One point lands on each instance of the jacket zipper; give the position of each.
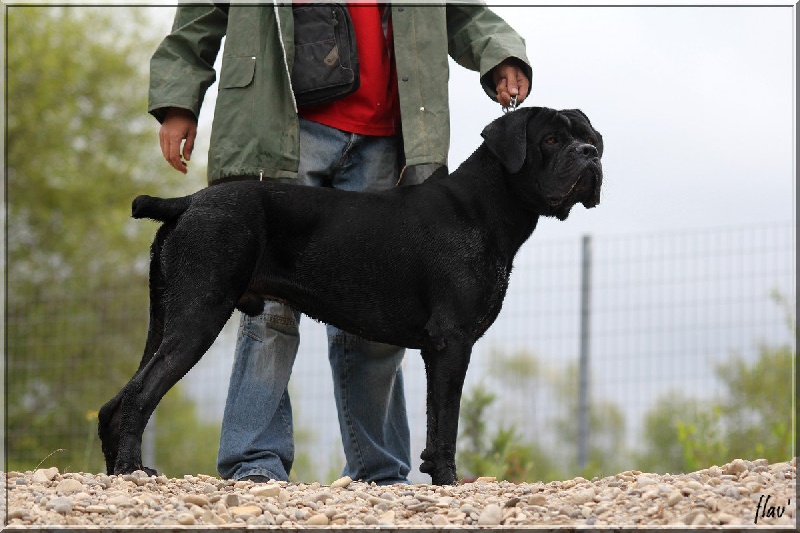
(285, 57)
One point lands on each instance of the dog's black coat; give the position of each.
(422, 266)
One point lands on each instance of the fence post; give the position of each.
(583, 388)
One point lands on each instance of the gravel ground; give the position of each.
(741, 493)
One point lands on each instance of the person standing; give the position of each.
(393, 130)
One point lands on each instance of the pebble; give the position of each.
(538, 499)
(266, 491)
(68, 486)
(440, 520)
(245, 510)
(583, 496)
(737, 466)
(341, 482)
(318, 520)
(121, 501)
(724, 495)
(196, 499)
(491, 515)
(386, 519)
(62, 505)
(186, 519)
(43, 476)
(674, 497)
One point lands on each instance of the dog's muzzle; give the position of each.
(592, 179)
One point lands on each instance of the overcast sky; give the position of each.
(695, 105)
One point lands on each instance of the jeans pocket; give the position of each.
(276, 317)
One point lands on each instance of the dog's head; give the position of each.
(551, 158)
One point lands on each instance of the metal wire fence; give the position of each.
(666, 308)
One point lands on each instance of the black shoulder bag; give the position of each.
(325, 55)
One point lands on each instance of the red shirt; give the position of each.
(374, 109)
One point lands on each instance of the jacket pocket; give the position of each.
(237, 71)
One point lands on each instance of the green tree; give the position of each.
(606, 428)
(80, 147)
(753, 417)
(500, 450)
(501, 453)
(758, 409)
(664, 428)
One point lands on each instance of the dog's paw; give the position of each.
(446, 476)
(427, 467)
(130, 468)
(149, 471)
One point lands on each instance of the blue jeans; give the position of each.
(256, 436)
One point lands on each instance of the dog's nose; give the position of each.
(587, 149)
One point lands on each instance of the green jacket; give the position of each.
(255, 128)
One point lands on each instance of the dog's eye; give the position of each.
(592, 141)
(550, 139)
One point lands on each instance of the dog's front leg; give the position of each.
(446, 368)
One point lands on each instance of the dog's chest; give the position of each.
(494, 299)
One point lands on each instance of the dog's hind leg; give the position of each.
(188, 335)
(446, 368)
(155, 334)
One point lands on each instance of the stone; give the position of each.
(645, 481)
(439, 520)
(186, 519)
(45, 475)
(266, 491)
(17, 514)
(62, 505)
(694, 485)
(674, 498)
(582, 496)
(120, 501)
(486, 479)
(538, 499)
(342, 482)
(69, 486)
(231, 500)
(317, 520)
(491, 515)
(245, 510)
(386, 519)
(196, 499)
(323, 496)
(512, 502)
(735, 467)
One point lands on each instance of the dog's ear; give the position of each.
(506, 137)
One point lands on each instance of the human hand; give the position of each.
(179, 125)
(510, 81)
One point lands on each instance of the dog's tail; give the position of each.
(161, 209)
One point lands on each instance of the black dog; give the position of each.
(423, 266)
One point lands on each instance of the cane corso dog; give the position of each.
(424, 266)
